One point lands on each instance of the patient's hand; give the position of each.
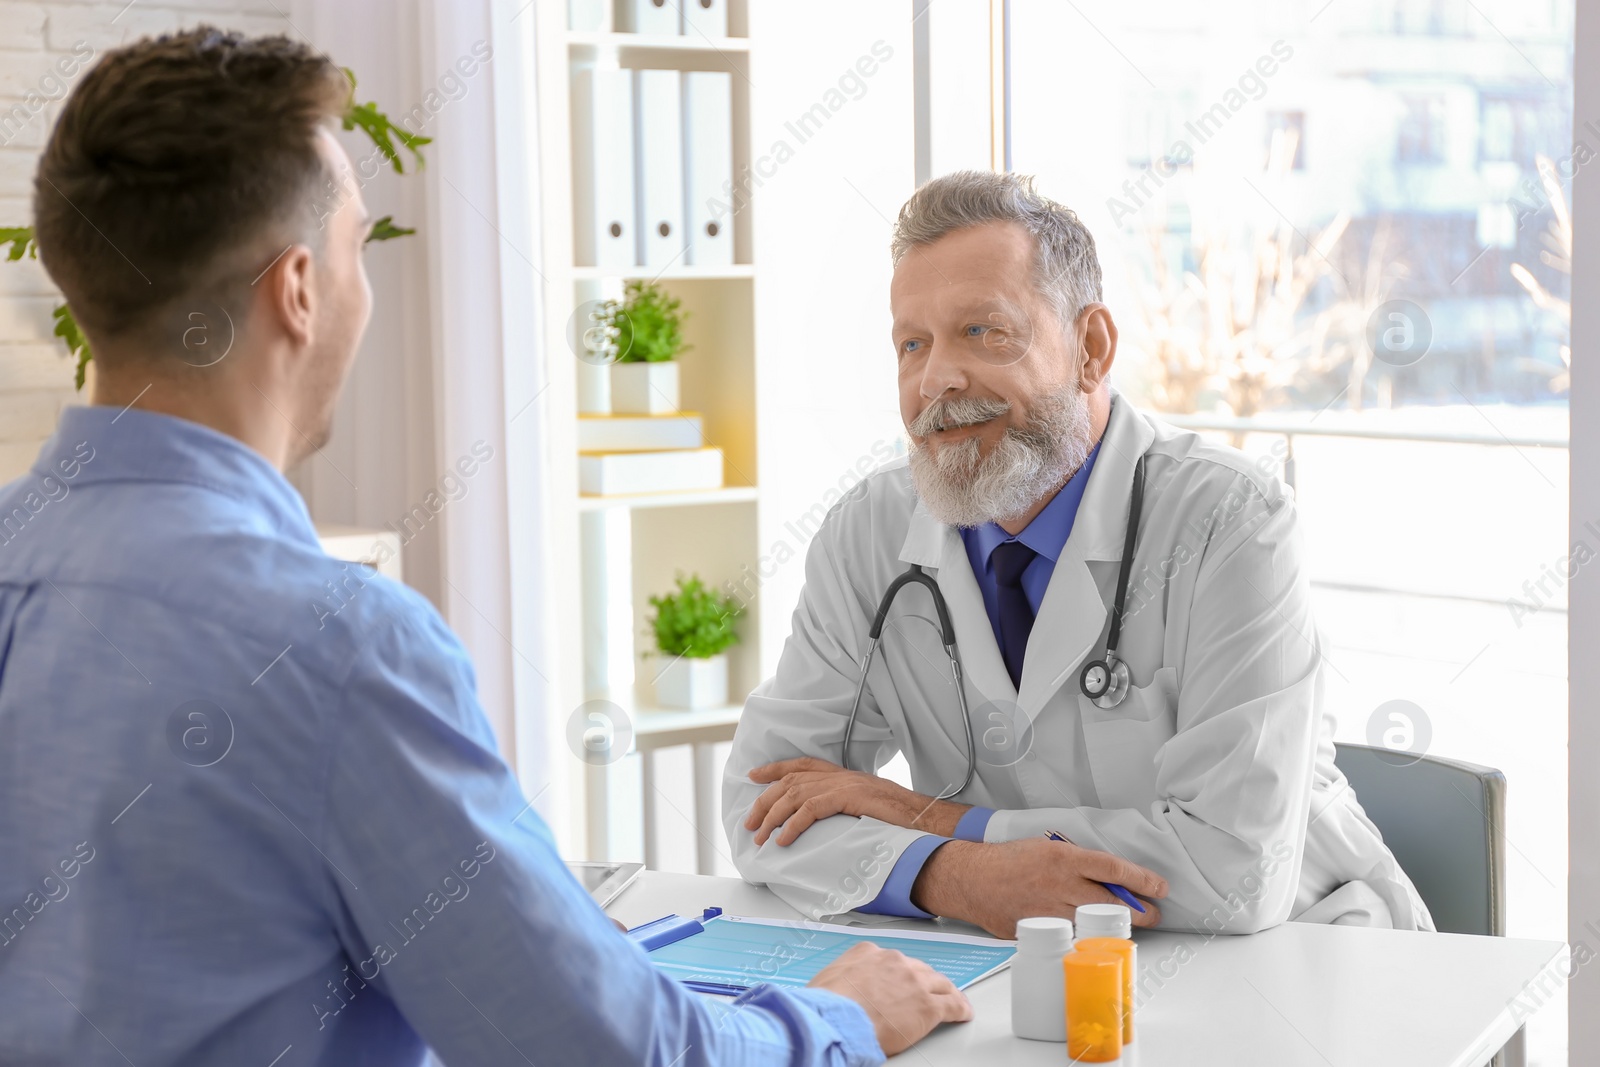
(904, 998)
(803, 790)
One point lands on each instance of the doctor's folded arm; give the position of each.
(1099, 629)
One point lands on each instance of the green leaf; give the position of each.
(385, 230)
(20, 238)
(649, 324)
(694, 621)
(77, 344)
(376, 125)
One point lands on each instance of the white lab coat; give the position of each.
(1216, 771)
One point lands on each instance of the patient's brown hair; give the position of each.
(176, 164)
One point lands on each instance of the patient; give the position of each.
(241, 828)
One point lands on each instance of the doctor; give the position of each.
(1202, 777)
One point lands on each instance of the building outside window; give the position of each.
(1422, 129)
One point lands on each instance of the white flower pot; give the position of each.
(693, 683)
(644, 388)
(594, 389)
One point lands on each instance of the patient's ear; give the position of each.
(1099, 345)
(289, 291)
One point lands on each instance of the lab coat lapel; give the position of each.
(939, 548)
(1074, 614)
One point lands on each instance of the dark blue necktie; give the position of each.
(1009, 559)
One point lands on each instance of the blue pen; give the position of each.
(1116, 890)
(668, 929)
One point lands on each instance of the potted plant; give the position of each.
(646, 328)
(694, 626)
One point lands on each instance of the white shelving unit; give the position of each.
(645, 50)
(630, 547)
(792, 368)
(671, 274)
(735, 494)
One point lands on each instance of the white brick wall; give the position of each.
(35, 373)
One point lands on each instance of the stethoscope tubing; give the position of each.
(1109, 695)
(1105, 680)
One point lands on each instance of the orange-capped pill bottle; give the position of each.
(1094, 1006)
(1123, 949)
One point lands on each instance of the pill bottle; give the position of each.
(1037, 990)
(1104, 920)
(1123, 950)
(1097, 921)
(1093, 982)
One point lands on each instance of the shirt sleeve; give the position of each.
(455, 903)
(973, 823)
(895, 896)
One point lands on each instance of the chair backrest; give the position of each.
(1444, 820)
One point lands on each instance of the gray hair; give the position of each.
(1066, 268)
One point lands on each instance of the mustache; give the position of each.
(956, 412)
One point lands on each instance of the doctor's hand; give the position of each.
(993, 886)
(904, 998)
(806, 789)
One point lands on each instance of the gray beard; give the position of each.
(961, 488)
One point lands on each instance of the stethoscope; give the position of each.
(1104, 680)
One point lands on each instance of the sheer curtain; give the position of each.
(450, 378)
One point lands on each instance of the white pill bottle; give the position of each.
(1038, 990)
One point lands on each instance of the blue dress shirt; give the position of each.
(253, 812)
(1047, 535)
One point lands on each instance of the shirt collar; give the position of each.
(130, 445)
(1048, 531)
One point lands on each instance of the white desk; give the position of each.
(1321, 996)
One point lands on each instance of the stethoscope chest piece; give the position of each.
(1105, 682)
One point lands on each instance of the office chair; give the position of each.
(1445, 822)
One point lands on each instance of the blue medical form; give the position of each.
(730, 953)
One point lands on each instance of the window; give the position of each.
(1425, 17)
(1511, 127)
(1155, 126)
(1422, 130)
(1292, 124)
(1429, 266)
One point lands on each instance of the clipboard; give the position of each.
(724, 955)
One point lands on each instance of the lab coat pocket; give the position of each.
(1123, 741)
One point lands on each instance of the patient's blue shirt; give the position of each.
(252, 813)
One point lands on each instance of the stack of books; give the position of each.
(628, 454)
